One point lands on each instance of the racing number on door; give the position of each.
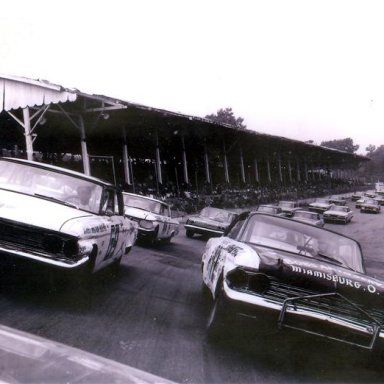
(115, 230)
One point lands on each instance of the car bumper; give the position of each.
(288, 314)
(317, 209)
(338, 219)
(370, 210)
(203, 230)
(42, 258)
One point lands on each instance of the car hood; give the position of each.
(334, 212)
(308, 221)
(207, 221)
(36, 211)
(29, 358)
(320, 276)
(141, 214)
(316, 204)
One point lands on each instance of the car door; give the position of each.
(166, 226)
(113, 242)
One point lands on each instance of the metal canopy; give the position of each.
(18, 93)
(65, 119)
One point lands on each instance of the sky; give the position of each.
(302, 69)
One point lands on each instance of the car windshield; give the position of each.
(302, 239)
(339, 208)
(371, 201)
(217, 214)
(50, 184)
(142, 203)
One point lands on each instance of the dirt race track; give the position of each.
(152, 317)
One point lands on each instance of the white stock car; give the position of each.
(153, 217)
(338, 214)
(60, 220)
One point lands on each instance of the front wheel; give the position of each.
(217, 319)
(115, 266)
(189, 233)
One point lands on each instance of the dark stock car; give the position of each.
(293, 275)
(288, 207)
(209, 222)
(271, 209)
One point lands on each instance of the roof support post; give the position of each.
(279, 167)
(28, 133)
(185, 167)
(158, 161)
(298, 169)
(289, 170)
(206, 161)
(256, 171)
(306, 171)
(225, 160)
(127, 173)
(242, 166)
(269, 171)
(84, 149)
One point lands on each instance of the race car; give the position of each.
(288, 207)
(370, 206)
(275, 273)
(309, 217)
(153, 216)
(59, 220)
(338, 214)
(320, 205)
(210, 221)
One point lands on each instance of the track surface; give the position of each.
(152, 316)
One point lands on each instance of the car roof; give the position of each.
(55, 168)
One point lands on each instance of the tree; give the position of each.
(370, 149)
(226, 116)
(374, 168)
(345, 145)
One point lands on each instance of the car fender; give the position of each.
(222, 255)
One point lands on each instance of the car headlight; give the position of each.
(57, 245)
(71, 248)
(242, 279)
(146, 224)
(53, 244)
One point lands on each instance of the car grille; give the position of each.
(277, 292)
(331, 305)
(205, 225)
(334, 217)
(34, 240)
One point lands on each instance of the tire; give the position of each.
(115, 266)
(217, 320)
(83, 279)
(167, 240)
(189, 233)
